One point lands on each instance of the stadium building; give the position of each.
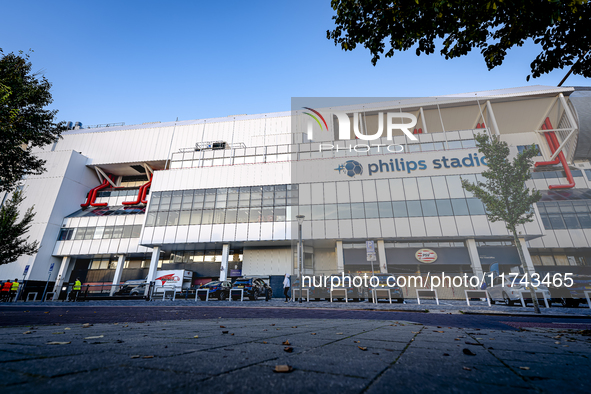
(219, 197)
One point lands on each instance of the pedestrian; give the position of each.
(14, 289)
(75, 290)
(5, 291)
(286, 286)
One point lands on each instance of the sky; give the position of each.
(147, 61)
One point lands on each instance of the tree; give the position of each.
(504, 192)
(13, 244)
(561, 28)
(24, 121)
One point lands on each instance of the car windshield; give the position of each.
(211, 284)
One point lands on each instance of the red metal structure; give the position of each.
(141, 196)
(554, 144)
(90, 199)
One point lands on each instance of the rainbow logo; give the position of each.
(315, 118)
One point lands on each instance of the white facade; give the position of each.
(197, 201)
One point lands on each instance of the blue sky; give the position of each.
(145, 61)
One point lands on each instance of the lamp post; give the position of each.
(300, 250)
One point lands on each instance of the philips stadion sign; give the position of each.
(354, 168)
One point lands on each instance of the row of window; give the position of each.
(562, 215)
(368, 210)
(107, 211)
(233, 197)
(180, 257)
(556, 174)
(102, 232)
(119, 193)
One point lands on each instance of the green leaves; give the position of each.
(13, 244)
(561, 29)
(24, 121)
(504, 192)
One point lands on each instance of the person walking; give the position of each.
(75, 290)
(14, 289)
(5, 291)
(286, 286)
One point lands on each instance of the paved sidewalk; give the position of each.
(445, 306)
(239, 355)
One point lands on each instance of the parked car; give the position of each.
(217, 289)
(253, 288)
(572, 296)
(508, 291)
(131, 288)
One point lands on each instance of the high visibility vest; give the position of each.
(15, 286)
(6, 286)
(77, 285)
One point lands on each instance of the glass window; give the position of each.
(187, 200)
(242, 215)
(63, 234)
(317, 212)
(108, 232)
(551, 207)
(444, 207)
(566, 207)
(177, 198)
(344, 211)
(198, 200)
(173, 218)
(209, 197)
(126, 232)
(220, 204)
(136, 231)
(556, 222)
(385, 209)
(399, 208)
(219, 216)
(468, 144)
(165, 201)
(357, 211)
(195, 217)
(161, 218)
(209, 205)
(371, 210)
(280, 201)
(584, 220)
(255, 202)
(330, 211)
(454, 144)
(184, 218)
(207, 216)
(570, 219)
(475, 206)
(305, 210)
(580, 206)
(280, 214)
(231, 215)
(267, 214)
(89, 233)
(232, 203)
(118, 232)
(460, 207)
(80, 233)
(546, 221)
(414, 208)
(255, 215)
(429, 208)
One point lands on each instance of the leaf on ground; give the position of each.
(294, 327)
(415, 332)
(95, 337)
(355, 341)
(339, 333)
(467, 368)
(27, 332)
(286, 342)
(45, 312)
(265, 342)
(283, 368)
(313, 333)
(222, 326)
(557, 343)
(468, 352)
(136, 356)
(86, 325)
(438, 331)
(59, 332)
(225, 332)
(362, 348)
(446, 354)
(288, 349)
(196, 336)
(148, 357)
(232, 334)
(67, 328)
(58, 343)
(524, 368)
(457, 339)
(273, 324)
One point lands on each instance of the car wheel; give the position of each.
(269, 293)
(400, 300)
(507, 300)
(222, 296)
(254, 295)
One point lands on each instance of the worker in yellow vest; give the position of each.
(76, 290)
(14, 289)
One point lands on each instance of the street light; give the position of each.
(300, 250)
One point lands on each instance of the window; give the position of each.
(429, 208)
(460, 207)
(357, 211)
(399, 208)
(330, 211)
(385, 209)
(317, 212)
(344, 211)
(444, 207)
(371, 210)
(475, 206)
(414, 208)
